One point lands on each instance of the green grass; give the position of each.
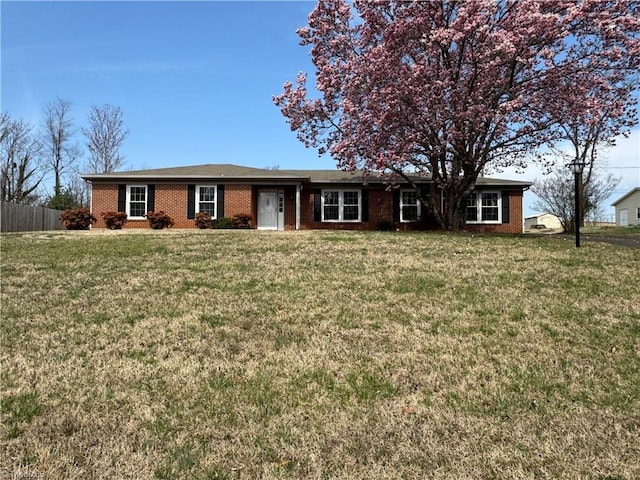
(232, 355)
(19, 409)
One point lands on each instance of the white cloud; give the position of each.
(622, 160)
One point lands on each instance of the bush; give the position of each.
(114, 220)
(159, 220)
(78, 219)
(241, 220)
(384, 225)
(224, 222)
(203, 220)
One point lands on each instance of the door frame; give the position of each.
(280, 206)
(624, 217)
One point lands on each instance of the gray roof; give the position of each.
(340, 176)
(245, 174)
(499, 182)
(211, 170)
(538, 215)
(628, 194)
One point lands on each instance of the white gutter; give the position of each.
(90, 200)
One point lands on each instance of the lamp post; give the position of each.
(577, 166)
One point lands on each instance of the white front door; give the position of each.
(271, 210)
(624, 219)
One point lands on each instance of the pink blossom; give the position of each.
(458, 87)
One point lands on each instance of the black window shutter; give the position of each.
(424, 191)
(191, 202)
(122, 197)
(396, 205)
(317, 206)
(505, 207)
(151, 198)
(365, 205)
(220, 205)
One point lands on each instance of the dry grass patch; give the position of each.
(225, 354)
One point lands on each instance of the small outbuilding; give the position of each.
(628, 208)
(542, 221)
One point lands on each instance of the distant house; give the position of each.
(295, 199)
(542, 221)
(628, 208)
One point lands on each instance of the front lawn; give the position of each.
(244, 354)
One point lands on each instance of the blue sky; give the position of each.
(194, 79)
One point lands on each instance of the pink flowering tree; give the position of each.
(584, 133)
(454, 89)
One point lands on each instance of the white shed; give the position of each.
(544, 220)
(628, 208)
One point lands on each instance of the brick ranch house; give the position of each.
(293, 199)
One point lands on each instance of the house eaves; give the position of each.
(625, 196)
(235, 173)
(198, 172)
(341, 177)
(498, 182)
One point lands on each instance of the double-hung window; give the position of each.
(136, 201)
(483, 207)
(409, 206)
(206, 196)
(341, 205)
(638, 213)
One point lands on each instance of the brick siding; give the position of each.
(104, 198)
(238, 199)
(516, 221)
(242, 199)
(380, 208)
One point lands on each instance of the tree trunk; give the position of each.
(458, 219)
(450, 206)
(57, 189)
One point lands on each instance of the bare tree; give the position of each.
(78, 188)
(104, 136)
(60, 153)
(585, 133)
(20, 150)
(556, 195)
(596, 193)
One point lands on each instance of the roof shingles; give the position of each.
(235, 172)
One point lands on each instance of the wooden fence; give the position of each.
(15, 217)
